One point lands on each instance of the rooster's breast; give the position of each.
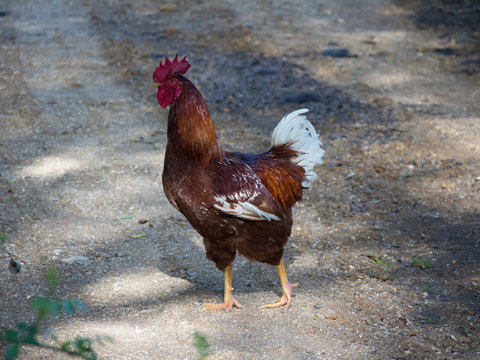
(189, 190)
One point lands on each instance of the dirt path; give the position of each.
(386, 246)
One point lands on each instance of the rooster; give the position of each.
(236, 201)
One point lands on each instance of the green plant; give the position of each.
(425, 287)
(27, 334)
(385, 263)
(430, 320)
(202, 345)
(387, 267)
(423, 263)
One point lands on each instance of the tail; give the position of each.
(294, 129)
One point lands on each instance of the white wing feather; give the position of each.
(243, 210)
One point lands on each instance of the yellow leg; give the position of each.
(229, 300)
(286, 298)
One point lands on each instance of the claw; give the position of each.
(227, 306)
(229, 300)
(286, 298)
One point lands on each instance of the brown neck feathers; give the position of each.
(190, 128)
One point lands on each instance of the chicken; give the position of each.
(237, 202)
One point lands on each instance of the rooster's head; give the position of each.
(169, 87)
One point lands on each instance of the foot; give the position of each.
(286, 298)
(227, 306)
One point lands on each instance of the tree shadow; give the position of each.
(444, 15)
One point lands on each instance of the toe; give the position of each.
(216, 307)
(280, 302)
(286, 298)
(228, 306)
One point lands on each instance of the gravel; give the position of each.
(385, 246)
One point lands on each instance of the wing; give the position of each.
(239, 192)
(281, 176)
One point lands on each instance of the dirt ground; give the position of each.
(385, 246)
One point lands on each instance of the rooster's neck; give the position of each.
(191, 131)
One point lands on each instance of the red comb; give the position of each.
(170, 67)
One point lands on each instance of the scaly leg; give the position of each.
(229, 300)
(286, 298)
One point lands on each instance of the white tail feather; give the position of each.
(295, 129)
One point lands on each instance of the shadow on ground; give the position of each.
(373, 213)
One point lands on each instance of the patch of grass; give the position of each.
(202, 345)
(425, 287)
(384, 262)
(387, 267)
(423, 263)
(27, 334)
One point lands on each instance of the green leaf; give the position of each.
(45, 307)
(40, 303)
(423, 263)
(12, 351)
(65, 346)
(27, 333)
(2, 238)
(83, 344)
(68, 306)
(23, 326)
(30, 336)
(10, 335)
(54, 308)
(79, 304)
(202, 345)
(126, 218)
(52, 277)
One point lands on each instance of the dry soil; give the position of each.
(385, 246)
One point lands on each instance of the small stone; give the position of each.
(76, 84)
(331, 316)
(303, 98)
(14, 267)
(78, 259)
(349, 176)
(476, 61)
(265, 71)
(168, 7)
(445, 51)
(170, 32)
(337, 53)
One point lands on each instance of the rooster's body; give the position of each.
(237, 202)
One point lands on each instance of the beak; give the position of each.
(155, 84)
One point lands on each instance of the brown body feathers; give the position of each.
(237, 202)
